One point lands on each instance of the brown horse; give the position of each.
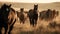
(7, 18)
(21, 16)
(48, 14)
(54, 24)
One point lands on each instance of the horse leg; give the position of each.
(6, 29)
(23, 21)
(0, 30)
(33, 22)
(30, 21)
(11, 27)
(20, 21)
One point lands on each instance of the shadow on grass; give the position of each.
(29, 32)
(32, 32)
(40, 30)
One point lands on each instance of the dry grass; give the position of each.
(41, 28)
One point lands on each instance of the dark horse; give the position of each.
(7, 18)
(33, 15)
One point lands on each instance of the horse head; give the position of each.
(5, 8)
(4, 11)
(22, 9)
(35, 7)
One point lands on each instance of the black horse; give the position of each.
(33, 15)
(7, 18)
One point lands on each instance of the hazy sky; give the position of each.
(31, 1)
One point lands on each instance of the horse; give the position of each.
(42, 15)
(33, 15)
(21, 16)
(54, 24)
(52, 14)
(48, 14)
(7, 18)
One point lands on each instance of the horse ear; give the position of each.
(37, 4)
(10, 5)
(34, 4)
(4, 4)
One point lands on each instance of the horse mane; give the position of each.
(31, 10)
(12, 10)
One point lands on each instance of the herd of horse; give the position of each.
(8, 16)
(48, 14)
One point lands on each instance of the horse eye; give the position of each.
(7, 9)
